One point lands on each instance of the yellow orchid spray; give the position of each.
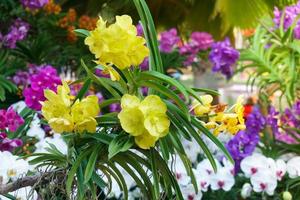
(117, 44)
(219, 120)
(65, 116)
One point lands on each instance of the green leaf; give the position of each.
(108, 102)
(154, 173)
(100, 81)
(90, 168)
(83, 89)
(150, 35)
(98, 180)
(107, 120)
(121, 143)
(82, 32)
(208, 91)
(137, 179)
(122, 180)
(74, 168)
(164, 148)
(168, 175)
(101, 137)
(152, 75)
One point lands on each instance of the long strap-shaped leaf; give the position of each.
(150, 34)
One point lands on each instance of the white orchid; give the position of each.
(246, 190)
(19, 106)
(203, 180)
(280, 169)
(188, 193)
(254, 164)
(293, 167)
(222, 179)
(228, 165)
(206, 166)
(13, 167)
(264, 181)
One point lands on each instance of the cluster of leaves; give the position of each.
(274, 56)
(92, 157)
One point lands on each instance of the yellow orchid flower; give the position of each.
(63, 116)
(203, 107)
(117, 44)
(144, 119)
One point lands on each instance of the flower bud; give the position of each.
(246, 190)
(287, 195)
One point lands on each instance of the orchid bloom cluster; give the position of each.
(52, 7)
(216, 118)
(45, 77)
(10, 121)
(63, 115)
(18, 31)
(34, 4)
(107, 44)
(259, 174)
(223, 56)
(265, 173)
(283, 125)
(168, 40)
(290, 15)
(146, 120)
(244, 142)
(199, 41)
(206, 178)
(70, 22)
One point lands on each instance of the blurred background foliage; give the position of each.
(215, 16)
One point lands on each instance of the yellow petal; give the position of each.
(206, 99)
(88, 124)
(132, 121)
(129, 101)
(157, 125)
(201, 110)
(145, 140)
(153, 104)
(60, 125)
(86, 108)
(210, 125)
